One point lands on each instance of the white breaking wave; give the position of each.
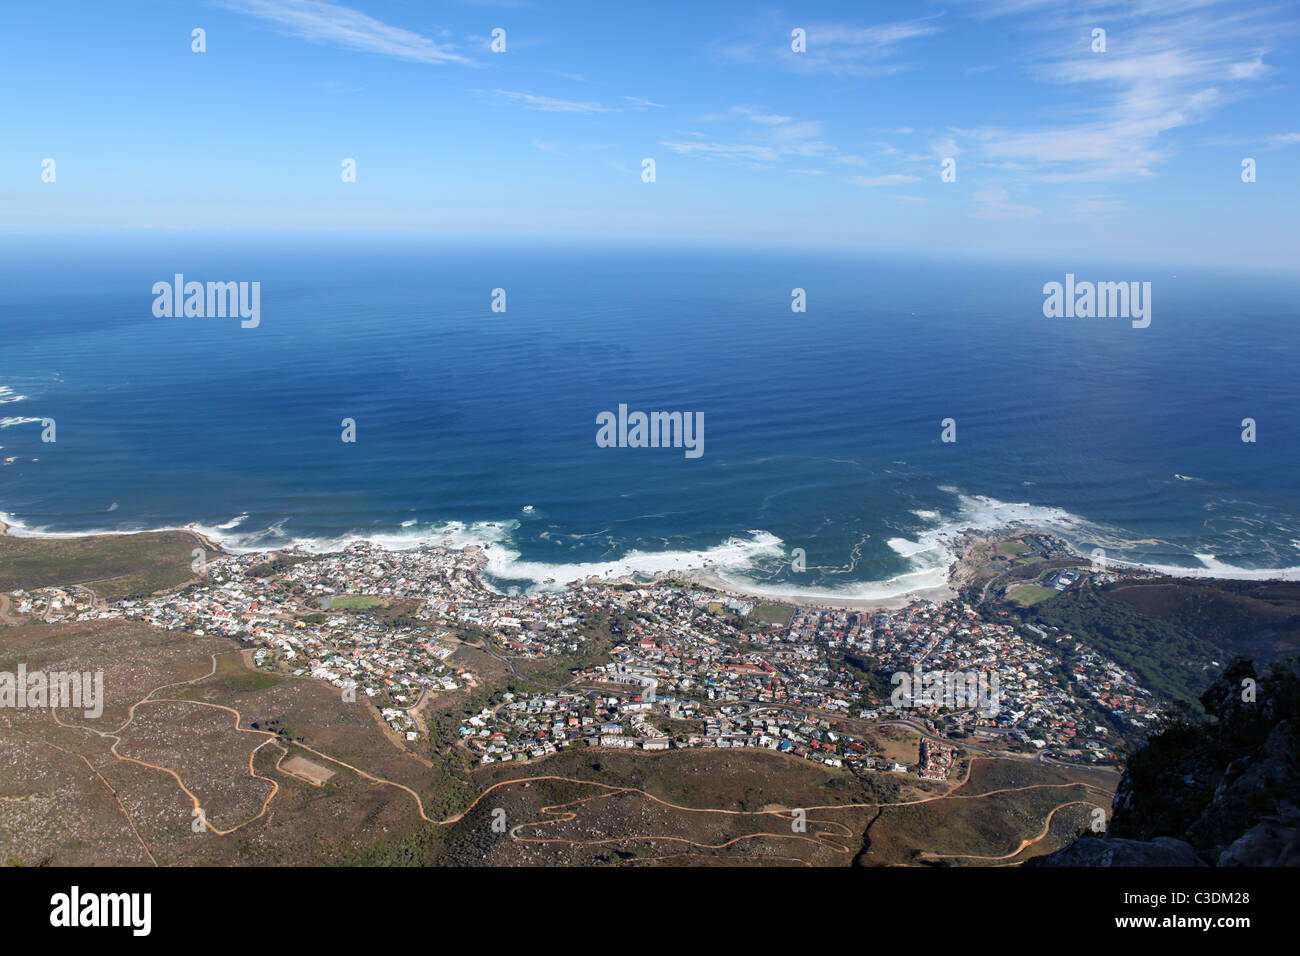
(1214, 568)
(276, 538)
(935, 547)
(929, 554)
(735, 554)
(16, 420)
(910, 549)
(505, 563)
(982, 513)
(909, 582)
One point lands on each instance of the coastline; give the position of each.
(701, 577)
(968, 551)
(937, 594)
(197, 535)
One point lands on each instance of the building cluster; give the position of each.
(57, 604)
(1040, 701)
(535, 725)
(533, 626)
(687, 667)
(937, 760)
(688, 673)
(394, 661)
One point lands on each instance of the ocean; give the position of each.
(822, 429)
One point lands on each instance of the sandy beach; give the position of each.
(971, 548)
(713, 582)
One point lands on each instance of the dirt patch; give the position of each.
(308, 770)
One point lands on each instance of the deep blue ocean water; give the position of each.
(822, 429)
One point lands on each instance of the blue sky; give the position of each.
(1133, 153)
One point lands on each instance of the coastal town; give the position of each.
(680, 666)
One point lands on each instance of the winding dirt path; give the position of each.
(271, 738)
(1024, 844)
(560, 813)
(116, 799)
(833, 835)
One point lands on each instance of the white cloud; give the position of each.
(747, 152)
(834, 48)
(891, 179)
(995, 203)
(321, 22)
(768, 119)
(1094, 207)
(550, 104)
(1168, 65)
(945, 148)
(1246, 71)
(767, 138)
(575, 77)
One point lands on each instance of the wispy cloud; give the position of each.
(766, 138)
(320, 22)
(890, 179)
(945, 147)
(758, 116)
(551, 104)
(1167, 65)
(747, 152)
(995, 203)
(1095, 207)
(835, 48)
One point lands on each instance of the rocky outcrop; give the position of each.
(1093, 851)
(1253, 815)
(1225, 790)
